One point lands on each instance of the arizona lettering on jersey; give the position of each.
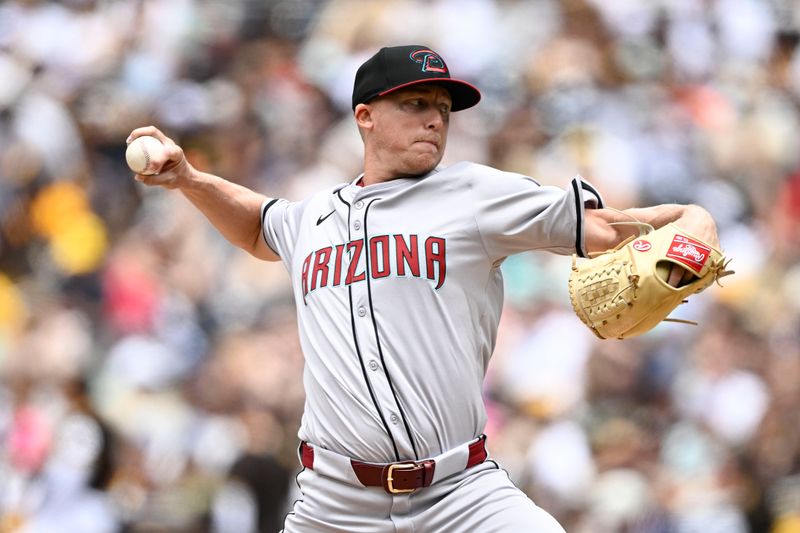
(399, 297)
(386, 255)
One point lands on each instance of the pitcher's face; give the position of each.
(409, 129)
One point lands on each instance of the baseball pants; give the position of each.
(481, 498)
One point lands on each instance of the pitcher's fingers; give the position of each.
(147, 179)
(154, 179)
(159, 159)
(174, 160)
(173, 151)
(148, 130)
(675, 275)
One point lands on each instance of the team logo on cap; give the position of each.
(430, 60)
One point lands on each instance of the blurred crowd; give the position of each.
(150, 373)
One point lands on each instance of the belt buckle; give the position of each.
(389, 478)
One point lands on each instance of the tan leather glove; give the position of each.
(622, 293)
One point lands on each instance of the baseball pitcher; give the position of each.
(398, 291)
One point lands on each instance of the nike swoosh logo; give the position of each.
(321, 219)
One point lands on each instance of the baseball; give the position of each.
(141, 152)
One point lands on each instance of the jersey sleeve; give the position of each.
(515, 214)
(280, 221)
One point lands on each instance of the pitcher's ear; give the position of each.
(363, 114)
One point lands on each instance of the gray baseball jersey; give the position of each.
(399, 294)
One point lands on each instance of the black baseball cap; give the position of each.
(396, 67)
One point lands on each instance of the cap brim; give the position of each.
(463, 94)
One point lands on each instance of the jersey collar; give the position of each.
(353, 191)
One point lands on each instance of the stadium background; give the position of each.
(150, 372)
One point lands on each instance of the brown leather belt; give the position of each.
(398, 478)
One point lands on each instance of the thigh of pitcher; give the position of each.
(330, 506)
(482, 499)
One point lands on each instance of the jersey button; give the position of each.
(394, 418)
(359, 204)
(362, 311)
(373, 365)
(357, 224)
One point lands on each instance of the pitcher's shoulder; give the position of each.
(480, 173)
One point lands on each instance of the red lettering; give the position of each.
(337, 269)
(321, 267)
(385, 269)
(435, 254)
(378, 263)
(304, 275)
(356, 247)
(407, 255)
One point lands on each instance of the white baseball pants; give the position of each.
(481, 499)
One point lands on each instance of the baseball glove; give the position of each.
(622, 293)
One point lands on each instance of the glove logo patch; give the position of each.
(641, 245)
(689, 252)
